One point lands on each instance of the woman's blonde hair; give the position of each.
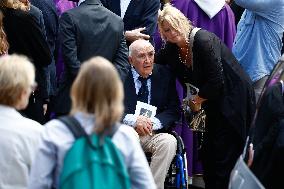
(17, 74)
(15, 4)
(176, 19)
(3, 38)
(98, 90)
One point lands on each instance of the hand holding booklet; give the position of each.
(145, 109)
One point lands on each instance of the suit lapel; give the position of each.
(155, 79)
(130, 94)
(116, 7)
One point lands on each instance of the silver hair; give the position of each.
(137, 42)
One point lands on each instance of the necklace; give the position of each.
(186, 58)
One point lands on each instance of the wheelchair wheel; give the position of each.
(177, 176)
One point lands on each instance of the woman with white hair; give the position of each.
(19, 136)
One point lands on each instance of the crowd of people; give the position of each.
(98, 61)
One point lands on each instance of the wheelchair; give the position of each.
(177, 176)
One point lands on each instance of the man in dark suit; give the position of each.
(139, 17)
(51, 25)
(86, 31)
(154, 85)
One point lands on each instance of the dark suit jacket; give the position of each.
(51, 25)
(219, 77)
(140, 13)
(163, 96)
(268, 138)
(86, 31)
(50, 18)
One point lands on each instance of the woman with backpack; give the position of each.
(97, 105)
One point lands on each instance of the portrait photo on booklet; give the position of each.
(146, 110)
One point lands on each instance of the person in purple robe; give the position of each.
(64, 5)
(215, 16)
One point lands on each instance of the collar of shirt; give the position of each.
(210, 7)
(138, 84)
(80, 2)
(123, 7)
(9, 111)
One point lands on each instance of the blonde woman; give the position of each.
(199, 57)
(97, 103)
(19, 136)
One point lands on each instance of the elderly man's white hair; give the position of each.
(139, 43)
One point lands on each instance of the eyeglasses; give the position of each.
(144, 56)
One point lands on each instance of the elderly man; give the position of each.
(154, 85)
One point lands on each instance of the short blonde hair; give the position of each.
(98, 90)
(15, 4)
(17, 74)
(176, 19)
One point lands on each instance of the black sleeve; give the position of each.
(150, 17)
(41, 52)
(121, 58)
(209, 54)
(161, 56)
(67, 32)
(171, 113)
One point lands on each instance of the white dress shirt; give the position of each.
(19, 138)
(123, 7)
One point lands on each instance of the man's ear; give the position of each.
(22, 97)
(130, 60)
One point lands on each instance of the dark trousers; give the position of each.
(220, 151)
(34, 109)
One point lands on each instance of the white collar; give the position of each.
(210, 7)
(81, 1)
(8, 111)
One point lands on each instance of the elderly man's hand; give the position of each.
(143, 126)
(136, 34)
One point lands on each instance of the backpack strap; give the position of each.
(74, 126)
(114, 129)
(78, 131)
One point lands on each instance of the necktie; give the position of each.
(143, 91)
